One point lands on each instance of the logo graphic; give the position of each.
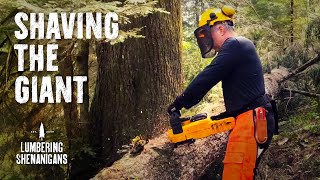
(43, 152)
(42, 132)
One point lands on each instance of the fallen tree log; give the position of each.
(272, 81)
(160, 161)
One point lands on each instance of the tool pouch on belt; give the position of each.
(260, 124)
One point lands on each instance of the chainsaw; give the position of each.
(188, 129)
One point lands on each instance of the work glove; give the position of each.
(174, 108)
(175, 121)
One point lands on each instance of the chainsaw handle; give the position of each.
(176, 122)
(175, 114)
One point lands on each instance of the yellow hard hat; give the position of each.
(211, 16)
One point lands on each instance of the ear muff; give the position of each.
(228, 11)
(213, 16)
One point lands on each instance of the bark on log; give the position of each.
(275, 80)
(272, 81)
(159, 161)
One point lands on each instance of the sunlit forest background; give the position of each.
(286, 33)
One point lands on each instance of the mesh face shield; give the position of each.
(205, 41)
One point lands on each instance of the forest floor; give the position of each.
(295, 152)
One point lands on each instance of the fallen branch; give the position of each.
(301, 68)
(309, 94)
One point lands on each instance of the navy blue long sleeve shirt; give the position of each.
(239, 68)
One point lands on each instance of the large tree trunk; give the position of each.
(82, 68)
(70, 111)
(80, 163)
(137, 80)
(77, 125)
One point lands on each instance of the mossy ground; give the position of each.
(295, 152)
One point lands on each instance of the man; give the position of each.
(238, 66)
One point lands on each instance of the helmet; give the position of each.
(207, 19)
(211, 16)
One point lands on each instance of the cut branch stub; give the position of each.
(273, 81)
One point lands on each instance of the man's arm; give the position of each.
(220, 67)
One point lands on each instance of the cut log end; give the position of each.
(272, 81)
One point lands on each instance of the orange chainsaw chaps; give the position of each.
(241, 154)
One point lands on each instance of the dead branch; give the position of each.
(309, 94)
(301, 68)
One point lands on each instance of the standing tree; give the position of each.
(137, 79)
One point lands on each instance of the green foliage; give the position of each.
(192, 63)
(309, 122)
(313, 34)
(123, 35)
(126, 11)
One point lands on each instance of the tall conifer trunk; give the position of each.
(136, 81)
